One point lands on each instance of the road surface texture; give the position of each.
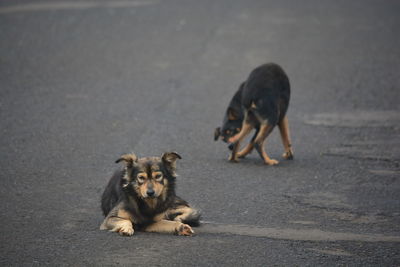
(82, 82)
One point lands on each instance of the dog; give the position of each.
(141, 196)
(260, 103)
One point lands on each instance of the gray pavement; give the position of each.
(83, 82)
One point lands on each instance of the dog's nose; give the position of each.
(150, 192)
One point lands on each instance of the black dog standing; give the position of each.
(260, 103)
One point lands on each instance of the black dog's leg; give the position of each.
(165, 226)
(250, 146)
(246, 129)
(265, 130)
(285, 135)
(118, 220)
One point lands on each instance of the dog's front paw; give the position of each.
(241, 156)
(184, 229)
(233, 158)
(128, 231)
(271, 162)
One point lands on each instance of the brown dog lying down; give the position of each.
(142, 197)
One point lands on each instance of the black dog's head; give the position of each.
(150, 177)
(233, 119)
(231, 126)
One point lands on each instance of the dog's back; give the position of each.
(267, 88)
(260, 103)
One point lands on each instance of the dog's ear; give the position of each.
(169, 160)
(217, 133)
(232, 114)
(129, 159)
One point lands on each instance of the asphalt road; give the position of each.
(83, 82)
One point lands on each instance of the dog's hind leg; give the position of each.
(246, 129)
(265, 130)
(165, 226)
(245, 151)
(186, 214)
(285, 135)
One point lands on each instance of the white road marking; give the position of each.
(356, 119)
(334, 252)
(69, 5)
(292, 234)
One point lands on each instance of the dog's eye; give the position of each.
(158, 177)
(228, 132)
(141, 178)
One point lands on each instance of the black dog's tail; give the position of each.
(193, 219)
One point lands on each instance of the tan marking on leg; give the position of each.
(165, 226)
(123, 214)
(161, 216)
(285, 135)
(245, 151)
(115, 224)
(118, 220)
(246, 129)
(265, 156)
(265, 130)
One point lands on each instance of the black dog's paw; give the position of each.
(288, 155)
(233, 158)
(184, 229)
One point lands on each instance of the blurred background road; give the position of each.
(82, 82)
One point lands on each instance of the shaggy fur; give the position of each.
(142, 196)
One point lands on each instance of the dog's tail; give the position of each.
(193, 218)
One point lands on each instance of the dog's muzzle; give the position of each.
(150, 193)
(231, 145)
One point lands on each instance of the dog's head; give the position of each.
(150, 176)
(231, 125)
(233, 119)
